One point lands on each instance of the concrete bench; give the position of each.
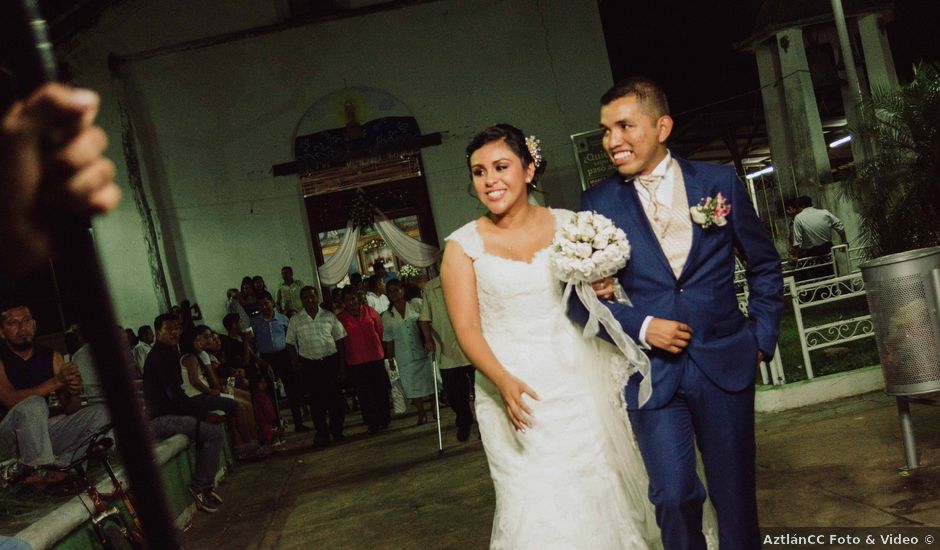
(68, 525)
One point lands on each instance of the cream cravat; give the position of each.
(656, 210)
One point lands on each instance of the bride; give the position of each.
(561, 454)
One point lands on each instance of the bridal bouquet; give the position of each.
(588, 248)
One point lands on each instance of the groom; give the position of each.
(703, 351)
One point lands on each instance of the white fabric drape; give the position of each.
(335, 269)
(411, 250)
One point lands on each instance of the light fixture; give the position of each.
(760, 172)
(840, 141)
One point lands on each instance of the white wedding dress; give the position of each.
(575, 479)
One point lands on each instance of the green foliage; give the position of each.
(897, 189)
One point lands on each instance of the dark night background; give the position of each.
(688, 46)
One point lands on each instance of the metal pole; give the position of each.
(907, 433)
(96, 316)
(437, 409)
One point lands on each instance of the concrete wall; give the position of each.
(211, 120)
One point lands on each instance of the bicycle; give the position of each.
(109, 524)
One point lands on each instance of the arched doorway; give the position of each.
(362, 142)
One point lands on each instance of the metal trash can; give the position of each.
(903, 293)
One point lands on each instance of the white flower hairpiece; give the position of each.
(533, 144)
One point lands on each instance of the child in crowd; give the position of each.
(265, 415)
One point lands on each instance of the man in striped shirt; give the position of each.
(315, 340)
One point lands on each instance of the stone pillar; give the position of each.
(775, 115)
(879, 65)
(853, 111)
(809, 154)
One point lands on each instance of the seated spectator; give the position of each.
(11, 543)
(245, 429)
(172, 412)
(29, 374)
(196, 377)
(91, 386)
(144, 344)
(237, 352)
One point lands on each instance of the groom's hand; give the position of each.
(671, 336)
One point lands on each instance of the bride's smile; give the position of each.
(499, 178)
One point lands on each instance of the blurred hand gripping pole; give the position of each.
(32, 65)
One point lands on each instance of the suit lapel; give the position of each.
(627, 196)
(694, 193)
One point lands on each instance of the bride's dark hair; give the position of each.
(515, 140)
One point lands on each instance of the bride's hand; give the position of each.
(511, 390)
(604, 289)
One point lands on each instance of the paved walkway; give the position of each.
(835, 464)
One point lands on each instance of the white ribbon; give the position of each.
(600, 315)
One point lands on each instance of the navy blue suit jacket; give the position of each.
(724, 342)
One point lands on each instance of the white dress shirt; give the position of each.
(140, 354)
(663, 197)
(378, 302)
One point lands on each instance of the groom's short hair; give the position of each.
(646, 91)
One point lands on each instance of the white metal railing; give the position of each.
(811, 294)
(819, 293)
(842, 260)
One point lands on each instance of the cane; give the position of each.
(437, 409)
(96, 314)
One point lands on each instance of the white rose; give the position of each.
(585, 230)
(698, 216)
(583, 250)
(608, 233)
(720, 222)
(586, 268)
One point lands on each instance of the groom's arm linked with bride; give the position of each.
(703, 350)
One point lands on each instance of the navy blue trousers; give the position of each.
(722, 423)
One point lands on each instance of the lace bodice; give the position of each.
(517, 299)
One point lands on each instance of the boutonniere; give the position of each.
(711, 211)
